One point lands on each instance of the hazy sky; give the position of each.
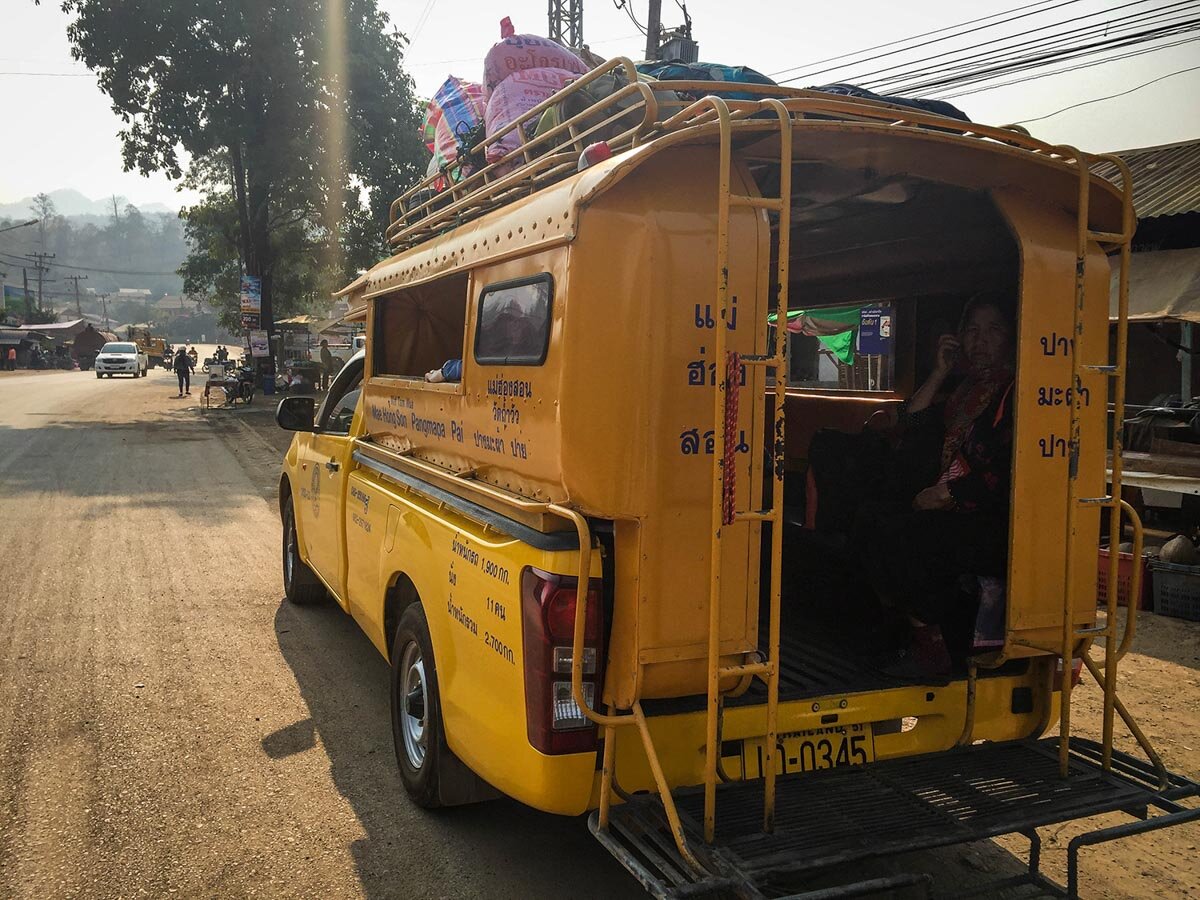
(59, 131)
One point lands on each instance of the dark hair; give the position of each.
(1001, 302)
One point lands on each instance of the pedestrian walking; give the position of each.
(183, 371)
(326, 364)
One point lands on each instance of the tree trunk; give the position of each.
(239, 193)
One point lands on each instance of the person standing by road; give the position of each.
(326, 364)
(183, 371)
(12, 359)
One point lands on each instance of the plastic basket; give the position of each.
(1176, 590)
(1125, 570)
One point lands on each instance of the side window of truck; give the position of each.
(514, 322)
(420, 328)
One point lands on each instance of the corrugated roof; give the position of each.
(48, 327)
(1166, 179)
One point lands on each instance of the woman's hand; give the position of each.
(948, 347)
(947, 352)
(936, 497)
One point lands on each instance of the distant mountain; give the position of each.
(69, 202)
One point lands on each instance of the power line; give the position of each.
(17, 260)
(910, 47)
(1063, 71)
(53, 74)
(866, 77)
(623, 5)
(1107, 29)
(1110, 96)
(996, 68)
(913, 37)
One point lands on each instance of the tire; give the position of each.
(416, 709)
(99, 376)
(301, 586)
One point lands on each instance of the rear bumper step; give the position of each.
(834, 817)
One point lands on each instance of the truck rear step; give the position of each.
(839, 816)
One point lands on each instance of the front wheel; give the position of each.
(300, 584)
(99, 376)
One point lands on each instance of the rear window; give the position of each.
(119, 348)
(514, 322)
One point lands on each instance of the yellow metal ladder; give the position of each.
(1075, 641)
(765, 666)
(723, 508)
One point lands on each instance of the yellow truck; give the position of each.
(155, 348)
(568, 489)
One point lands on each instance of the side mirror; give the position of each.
(296, 413)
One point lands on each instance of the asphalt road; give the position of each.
(167, 725)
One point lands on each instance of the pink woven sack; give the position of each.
(519, 52)
(515, 96)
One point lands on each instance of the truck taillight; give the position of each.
(1076, 674)
(556, 724)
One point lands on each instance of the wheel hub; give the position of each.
(414, 705)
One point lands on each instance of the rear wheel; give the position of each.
(300, 584)
(416, 709)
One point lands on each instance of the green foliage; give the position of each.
(281, 124)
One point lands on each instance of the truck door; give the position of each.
(325, 462)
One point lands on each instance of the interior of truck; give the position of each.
(881, 269)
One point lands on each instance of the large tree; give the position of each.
(287, 110)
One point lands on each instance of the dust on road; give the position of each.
(168, 726)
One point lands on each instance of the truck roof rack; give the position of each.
(637, 112)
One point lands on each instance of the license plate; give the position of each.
(806, 751)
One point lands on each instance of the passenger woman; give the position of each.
(958, 525)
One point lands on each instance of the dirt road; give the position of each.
(167, 726)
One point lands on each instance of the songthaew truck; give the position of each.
(579, 487)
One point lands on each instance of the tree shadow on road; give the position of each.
(496, 849)
(178, 462)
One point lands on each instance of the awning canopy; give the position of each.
(1163, 284)
(304, 319)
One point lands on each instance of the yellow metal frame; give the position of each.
(1105, 672)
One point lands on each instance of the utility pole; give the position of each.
(566, 22)
(28, 302)
(42, 269)
(104, 303)
(653, 29)
(77, 279)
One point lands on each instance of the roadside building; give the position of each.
(1164, 273)
(1161, 430)
(24, 341)
(62, 334)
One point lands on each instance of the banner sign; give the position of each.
(875, 330)
(251, 299)
(259, 345)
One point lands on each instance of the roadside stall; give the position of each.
(299, 372)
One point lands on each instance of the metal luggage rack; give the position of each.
(837, 817)
(636, 112)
